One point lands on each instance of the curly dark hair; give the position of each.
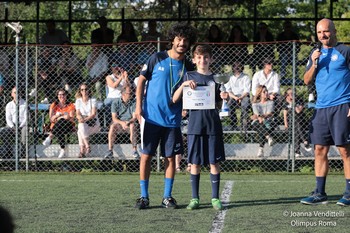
(182, 29)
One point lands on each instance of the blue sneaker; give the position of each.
(345, 200)
(315, 198)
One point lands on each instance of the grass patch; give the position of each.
(102, 202)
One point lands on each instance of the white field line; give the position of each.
(219, 219)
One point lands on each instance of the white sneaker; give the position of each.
(297, 155)
(270, 140)
(45, 101)
(261, 152)
(307, 147)
(61, 154)
(47, 141)
(32, 93)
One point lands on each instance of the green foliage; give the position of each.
(255, 169)
(90, 10)
(51, 202)
(84, 170)
(306, 169)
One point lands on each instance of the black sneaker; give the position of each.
(142, 203)
(169, 203)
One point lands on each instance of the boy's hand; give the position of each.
(192, 84)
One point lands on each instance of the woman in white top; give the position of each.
(115, 83)
(88, 122)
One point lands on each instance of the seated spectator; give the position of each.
(115, 83)
(239, 51)
(88, 123)
(271, 80)
(123, 121)
(267, 77)
(8, 133)
(47, 74)
(97, 65)
(69, 67)
(262, 49)
(299, 126)
(262, 118)
(62, 114)
(238, 89)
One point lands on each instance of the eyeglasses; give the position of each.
(61, 94)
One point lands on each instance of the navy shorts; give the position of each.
(170, 140)
(205, 149)
(330, 126)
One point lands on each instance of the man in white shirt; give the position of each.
(268, 78)
(238, 89)
(7, 133)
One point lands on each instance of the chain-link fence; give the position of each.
(56, 139)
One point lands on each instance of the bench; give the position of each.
(247, 151)
(234, 151)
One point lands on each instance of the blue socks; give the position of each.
(144, 188)
(168, 187)
(321, 184)
(195, 185)
(215, 185)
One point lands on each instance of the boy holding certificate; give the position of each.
(204, 134)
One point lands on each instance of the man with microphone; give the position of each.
(329, 68)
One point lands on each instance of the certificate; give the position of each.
(203, 97)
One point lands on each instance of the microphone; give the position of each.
(318, 48)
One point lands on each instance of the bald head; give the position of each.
(326, 33)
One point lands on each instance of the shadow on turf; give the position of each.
(290, 200)
(235, 204)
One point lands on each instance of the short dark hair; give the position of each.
(182, 29)
(267, 60)
(202, 49)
